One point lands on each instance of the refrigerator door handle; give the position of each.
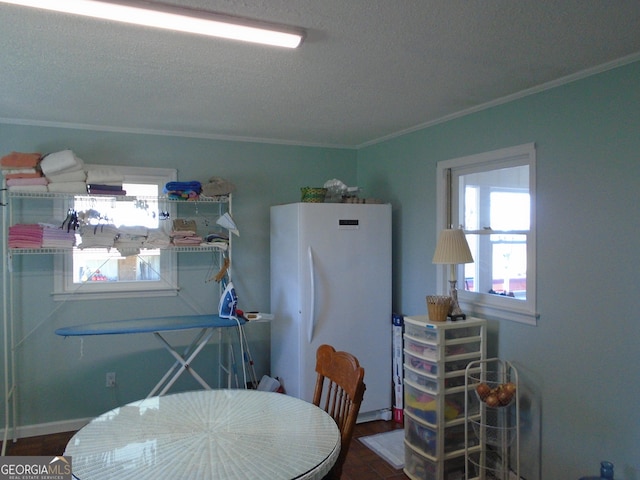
(312, 299)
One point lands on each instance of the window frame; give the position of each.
(64, 287)
(478, 303)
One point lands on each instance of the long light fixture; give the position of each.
(170, 17)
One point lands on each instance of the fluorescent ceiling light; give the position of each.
(175, 18)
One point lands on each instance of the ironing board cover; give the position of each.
(147, 325)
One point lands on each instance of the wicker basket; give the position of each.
(438, 307)
(313, 195)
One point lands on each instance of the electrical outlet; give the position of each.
(111, 379)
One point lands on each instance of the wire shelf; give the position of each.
(123, 198)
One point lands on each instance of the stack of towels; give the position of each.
(59, 172)
(184, 233)
(40, 235)
(64, 172)
(157, 239)
(105, 181)
(22, 172)
(98, 236)
(217, 186)
(25, 236)
(183, 190)
(130, 239)
(56, 237)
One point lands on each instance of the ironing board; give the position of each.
(207, 325)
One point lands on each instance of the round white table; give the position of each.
(208, 434)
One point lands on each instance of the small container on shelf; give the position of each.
(426, 437)
(419, 402)
(423, 329)
(424, 350)
(421, 364)
(420, 332)
(428, 383)
(423, 404)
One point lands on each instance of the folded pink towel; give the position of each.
(25, 236)
(13, 182)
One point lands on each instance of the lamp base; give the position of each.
(455, 313)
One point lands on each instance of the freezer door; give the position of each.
(343, 286)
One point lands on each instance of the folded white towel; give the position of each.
(105, 176)
(157, 239)
(133, 231)
(9, 170)
(58, 162)
(28, 188)
(97, 236)
(68, 187)
(75, 176)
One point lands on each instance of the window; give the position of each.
(492, 197)
(93, 271)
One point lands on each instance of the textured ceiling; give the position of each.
(367, 70)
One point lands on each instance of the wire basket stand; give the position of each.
(492, 414)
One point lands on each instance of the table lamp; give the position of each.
(453, 249)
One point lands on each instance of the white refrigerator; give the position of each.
(331, 283)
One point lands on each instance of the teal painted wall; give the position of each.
(62, 379)
(581, 364)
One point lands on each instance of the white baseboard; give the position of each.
(374, 415)
(47, 428)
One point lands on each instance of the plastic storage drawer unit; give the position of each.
(436, 355)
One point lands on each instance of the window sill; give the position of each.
(519, 315)
(102, 295)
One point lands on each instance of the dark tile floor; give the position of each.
(361, 462)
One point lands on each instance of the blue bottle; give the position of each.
(606, 472)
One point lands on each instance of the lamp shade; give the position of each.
(452, 248)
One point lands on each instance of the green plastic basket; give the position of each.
(313, 194)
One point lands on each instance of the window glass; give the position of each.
(492, 201)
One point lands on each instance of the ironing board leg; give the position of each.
(182, 362)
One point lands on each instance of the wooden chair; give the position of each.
(339, 391)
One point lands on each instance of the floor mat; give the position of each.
(389, 445)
